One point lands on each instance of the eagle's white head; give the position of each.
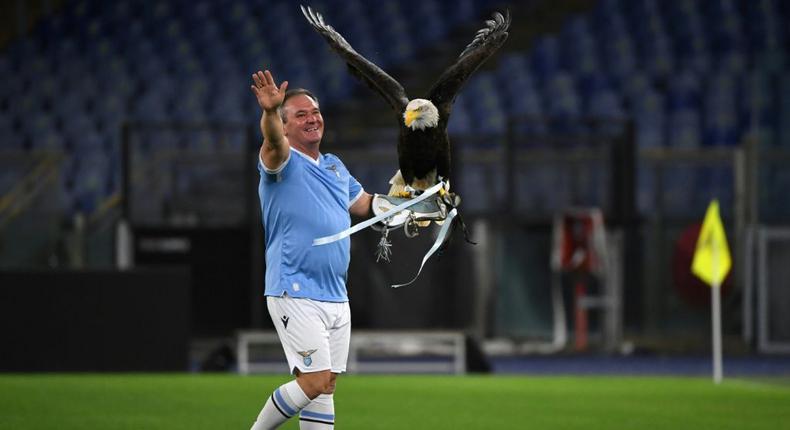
(420, 113)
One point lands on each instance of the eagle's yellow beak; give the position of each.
(409, 117)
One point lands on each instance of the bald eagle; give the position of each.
(424, 146)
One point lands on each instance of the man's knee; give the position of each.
(332, 382)
(316, 383)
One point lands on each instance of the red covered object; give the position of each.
(580, 242)
(692, 289)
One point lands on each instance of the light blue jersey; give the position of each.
(302, 200)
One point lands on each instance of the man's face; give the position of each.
(304, 124)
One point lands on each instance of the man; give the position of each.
(304, 195)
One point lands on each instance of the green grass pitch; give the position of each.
(221, 401)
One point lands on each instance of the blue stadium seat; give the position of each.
(544, 58)
(12, 88)
(147, 141)
(617, 54)
(605, 104)
(6, 125)
(190, 108)
(200, 141)
(683, 129)
(10, 138)
(487, 109)
(229, 107)
(77, 124)
(758, 108)
(120, 12)
(784, 120)
(578, 48)
(688, 35)
(764, 29)
(46, 139)
(150, 107)
(772, 61)
(116, 77)
(561, 98)
(428, 21)
(7, 67)
(109, 107)
(648, 112)
(591, 84)
(135, 30)
(393, 37)
(15, 141)
(720, 113)
(512, 65)
(20, 50)
(86, 143)
(732, 62)
(460, 12)
(232, 142)
(460, 120)
(657, 55)
(69, 102)
(36, 67)
(724, 26)
(635, 86)
(684, 91)
(661, 62)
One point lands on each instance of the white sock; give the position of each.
(319, 414)
(286, 401)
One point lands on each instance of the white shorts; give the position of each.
(315, 335)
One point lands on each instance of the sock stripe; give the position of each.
(286, 407)
(331, 423)
(316, 415)
(277, 398)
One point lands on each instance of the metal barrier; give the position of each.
(773, 294)
(369, 352)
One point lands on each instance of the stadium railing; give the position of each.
(415, 351)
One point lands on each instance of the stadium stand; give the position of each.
(82, 72)
(707, 80)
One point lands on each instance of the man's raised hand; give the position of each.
(269, 96)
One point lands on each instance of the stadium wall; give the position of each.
(94, 320)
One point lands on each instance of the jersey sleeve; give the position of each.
(354, 190)
(276, 174)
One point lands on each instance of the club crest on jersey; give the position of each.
(306, 356)
(334, 169)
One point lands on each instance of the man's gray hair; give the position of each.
(293, 93)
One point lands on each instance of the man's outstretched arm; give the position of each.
(275, 148)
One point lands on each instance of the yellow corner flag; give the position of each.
(712, 259)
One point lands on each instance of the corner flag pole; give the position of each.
(715, 292)
(712, 263)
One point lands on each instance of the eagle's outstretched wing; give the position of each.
(371, 74)
(486, 42)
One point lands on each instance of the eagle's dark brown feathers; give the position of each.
(420, 151)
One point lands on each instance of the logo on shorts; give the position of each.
(306, 355)
(284, 319)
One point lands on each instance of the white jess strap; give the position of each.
(348, 232)
(439, 240)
